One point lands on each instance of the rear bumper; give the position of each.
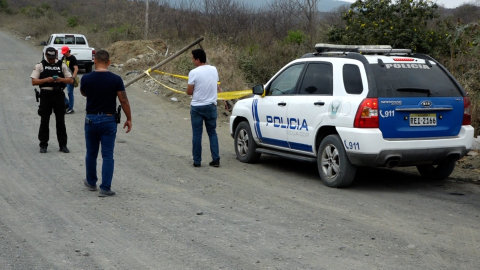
(374, 150)
(83, 63)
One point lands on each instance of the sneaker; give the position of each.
(106, 193)
(64, 149)
(215, 163)
(197, 165)
(69, 111)
(43, 149)
(90, 187)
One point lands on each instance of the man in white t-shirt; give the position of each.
(203, 85)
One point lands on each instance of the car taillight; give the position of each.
(93, 54)
(367, 114)
(467, 117)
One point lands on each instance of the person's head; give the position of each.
(199, 57)
(102, 58)
(51, 55)
(66, 51)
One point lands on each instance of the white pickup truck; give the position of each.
(78, 46)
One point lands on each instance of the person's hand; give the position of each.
(50, 79)
(128, 124)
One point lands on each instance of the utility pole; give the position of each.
(146, 20)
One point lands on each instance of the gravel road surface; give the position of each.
(169, 215)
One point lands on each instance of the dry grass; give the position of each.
(240, 65)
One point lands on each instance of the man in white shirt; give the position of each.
(203, 85)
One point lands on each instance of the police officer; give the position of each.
(52, 76)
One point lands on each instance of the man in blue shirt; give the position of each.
(102, 88)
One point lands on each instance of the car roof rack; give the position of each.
(364, 49)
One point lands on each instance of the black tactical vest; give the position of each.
(50, 71)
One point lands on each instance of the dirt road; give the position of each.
(169, 215)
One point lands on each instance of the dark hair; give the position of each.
(200, 55)
(102, 56)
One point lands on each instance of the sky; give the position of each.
(445, 3)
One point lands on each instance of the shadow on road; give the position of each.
(367, 178)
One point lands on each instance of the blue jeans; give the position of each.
(199, 114)
(100, 129)
(70, 98)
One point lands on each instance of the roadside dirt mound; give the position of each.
(121, 51)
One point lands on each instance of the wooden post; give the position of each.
(146, 19)
(165, 61)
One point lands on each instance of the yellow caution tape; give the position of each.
(174, 75)
(233, 94)
(220, 96)
(169, 88)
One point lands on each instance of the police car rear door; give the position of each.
(308, 106)
(417, 99)
(270, 112)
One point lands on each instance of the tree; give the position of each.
(283, 16)
(309, 8)
(401, 24)
(465, 64)
(4, 6)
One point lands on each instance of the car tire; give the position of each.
(333, 164)
(88, 68)
(437, 172)
(244, 144)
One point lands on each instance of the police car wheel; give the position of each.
(245, 146)
(437, 172)
(333, 164)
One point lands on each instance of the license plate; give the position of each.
(423, 119)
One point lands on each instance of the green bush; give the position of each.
(72, 21)
(402, 24)
(296, 37)
(4, 7)
(36, 12)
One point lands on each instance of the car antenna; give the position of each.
(388, 54)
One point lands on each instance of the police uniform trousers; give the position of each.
(52, 100)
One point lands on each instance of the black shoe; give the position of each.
(106, 193)
(215, 163)
(197, 165)
(90, 187)
(64, 149)
(69, 111)
(43, 149)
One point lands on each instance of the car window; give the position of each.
(69, 40)
(318, 80)
(49, 39)
(80, 41)
(285, 83)
(413, 80)
(352, 79)
(58, 40)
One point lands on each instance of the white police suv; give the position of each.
(349, 106)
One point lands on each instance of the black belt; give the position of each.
(112, 113)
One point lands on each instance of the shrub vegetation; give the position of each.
(248, 45)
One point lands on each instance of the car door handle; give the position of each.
(282, 103)
(321, 103)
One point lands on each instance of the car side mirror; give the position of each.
(258, 89)
(43, 43)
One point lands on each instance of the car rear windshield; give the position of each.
(413, 80)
